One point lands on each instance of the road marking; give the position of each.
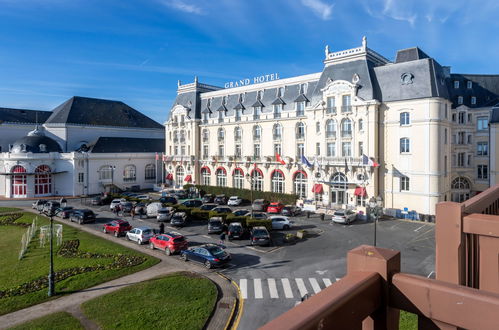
(272, 288)
(243, 286)
(321, 272)
(258, 288)
(338, 278)
(301, 286)
(206, 236)
(429, 275)
(417, 229)
(315, 285)
(288, 293)
(327, 282)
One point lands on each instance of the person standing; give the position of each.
(222, 238)
(162, 228)
(132, 212)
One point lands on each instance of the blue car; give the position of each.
(210, 255)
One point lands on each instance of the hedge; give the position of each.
(212, 214)
(233, 218)
(259, 222)
(200, 214)
(246, 193)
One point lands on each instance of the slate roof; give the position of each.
(410, 54)
(127, 145)
(494, 116)
(98, 112)
(9, 115)
(484, 87)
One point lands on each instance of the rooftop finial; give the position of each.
(326, 51)
(195, 79)
(364, 42)
(179, 83)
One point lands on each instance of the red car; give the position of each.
(119, 227)
(169, 242)
(275, 208)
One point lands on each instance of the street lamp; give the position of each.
(112, 168)
(51, 276)
(249, 177)
(375, 208)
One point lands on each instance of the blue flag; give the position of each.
(305, 161)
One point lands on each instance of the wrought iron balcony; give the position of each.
(346, 108)
(277, 136)
(256, 116)
(331, 110)
(331, 134)
(346, 134)
(277, 115)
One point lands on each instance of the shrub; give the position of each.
(232, 218)
(212, 214)
(246, 194)
(267, 223)
(183, 208)
(200, 214)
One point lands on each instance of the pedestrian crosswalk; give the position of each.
(284, 288)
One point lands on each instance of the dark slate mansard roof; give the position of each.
(8, 115)
(127, 145)
(98, 112)
(485, 88)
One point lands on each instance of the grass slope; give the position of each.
(56, 321)
(178, 301)
(8, 209)
(14, 272)
(408, 321)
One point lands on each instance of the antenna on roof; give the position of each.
(195, 79)
(179, 83)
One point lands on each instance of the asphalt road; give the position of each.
(274, 279)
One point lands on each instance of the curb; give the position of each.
(235, 317)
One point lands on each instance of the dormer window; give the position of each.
(303, 88)
(277, 110)
(224, 100)
(469, 84)
(205, 117)
(280, 92)
(456, 84)
(473, 100)
(459, 100)
(259, 95)
(300, 108)
(241, 98)
(256, 112)
(42, 147)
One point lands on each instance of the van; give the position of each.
(152, 209)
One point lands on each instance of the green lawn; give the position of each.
(35, 263)
(8, 209)
(56, 321)
(408, 321)
(178, 301)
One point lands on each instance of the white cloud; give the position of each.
(399, 12)
(183, 6)
(320, 8)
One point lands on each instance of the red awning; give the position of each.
(360, 191)
(169, 176)
(317, 188)
(188, 178)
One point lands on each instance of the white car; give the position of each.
(140, 234)
(234, 201)
(280, 222)
(115, 202)
(143, 197)
(344, 216)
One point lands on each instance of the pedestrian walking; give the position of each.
(116, 209)
(132, 212)
(162, 228)
(222, 238)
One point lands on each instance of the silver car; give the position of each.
(140, 234)
(344, 216)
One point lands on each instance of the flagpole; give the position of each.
(162, 170)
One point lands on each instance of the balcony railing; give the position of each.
(346, 134)
(331, 110)
(174, 124)
(130, 179)
(220, 120)
(330, 134)
(277, 115)
(205, 139)
(276, 136)
(256, 137)
(346, 108)
(205, 120)
(175, 140)
(182, 140)
(300, 136)
(221, 138)
(300, 113)
(256, 116)
(237, 118)
(182, 123)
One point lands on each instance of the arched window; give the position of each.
(206, 135)
(405, 118)
(221, 134)
(277, 131)
(205, 176)
(19, 181)
(461, 189)
(277, 180)
(257, 132)
(346, 128)
(460, 183)
(257, 179)
(129, 173)
(339, 188)
(238, 134)
(175, 136)
(150, 172)
(404, 145)
(179, 175)
(221, 175)
(300, 130)
(182, 136)
(238, 178)
(300, 183)
(106, 172)
(43, 180)
(361, 125)
(330, 128)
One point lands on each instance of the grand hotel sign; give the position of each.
(255, 80)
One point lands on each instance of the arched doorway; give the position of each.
(43, 181)
(339, 185)
(300, 184)
(460, 189)
(19, 182)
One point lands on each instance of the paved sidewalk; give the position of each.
(224, 311)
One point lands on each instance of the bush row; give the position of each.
(10, 219)
(246, 193)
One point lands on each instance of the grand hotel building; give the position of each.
(433, 132)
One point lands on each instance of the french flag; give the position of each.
(369, 161)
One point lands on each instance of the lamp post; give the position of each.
(249, 177)
(375, 209)
(112, 168)
(51, 278)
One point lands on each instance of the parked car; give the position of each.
(309, 205)
(220, 200)
(258, 215)
(207, 207)
(241, 212)
(82, 216)
(181, 194)
(140, 234)
(193, 203)
(170, 242)
(96, 201)
(143, 197)
(168, 199)
(165, 214)
(275, 208)
(38, 203)
(126, 207)
(178, 219)
(210, 255)
(115, 202)
(236, 231)
(153, 208)
(215, 225)
(222, 209)
(344, 216)
(117, 227)
(50, 207)
(260, 236)
(64, 212)
(234, 201)
(208, 198)
(260, 205)
(291, 210)
(280, 222)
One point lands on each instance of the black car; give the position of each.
(193, 203)
(178, 219)
(210, 255)
(168, 200)
(64, 212)
(82, 216)
(260, 236)
(215, 225)
(222, 209)
(208, 207)
(126, 207)
(291, 210)
(38, 204)
(181, 194)
(220, 200)
(241, 212)
(208, 198)
(237, 231)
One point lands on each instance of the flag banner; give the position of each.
(317, 166)
(374, 163)
(369, 161)
(157, 156)
(279, 159)
(305, 161)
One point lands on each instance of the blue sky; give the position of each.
(135, 51)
